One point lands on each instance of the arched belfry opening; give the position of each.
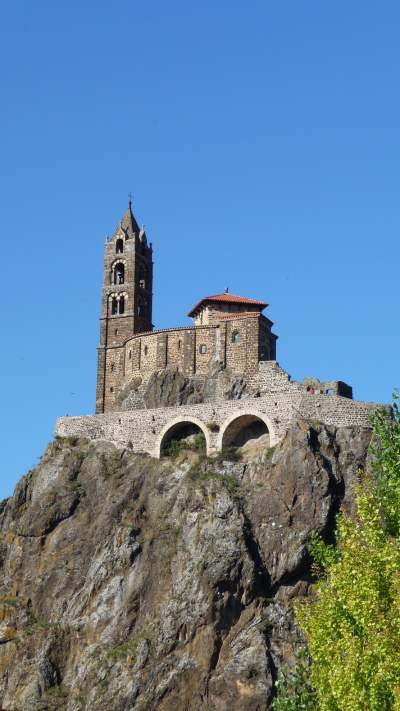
(245, 429)
(185, 434)
(119, 273)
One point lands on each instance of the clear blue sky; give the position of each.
(261, 143)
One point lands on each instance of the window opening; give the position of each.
(203, 348)
(119, 274)
(236, 337)
(119, 246)
(114, 306)
(122, 305)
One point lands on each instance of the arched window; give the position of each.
(118, 304)
(119, 273)
(203, 348)
(236, 337)
(119, 246)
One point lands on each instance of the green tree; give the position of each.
(293, 689)
(352, 623)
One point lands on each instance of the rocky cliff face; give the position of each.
(130, 583)
(170, 387)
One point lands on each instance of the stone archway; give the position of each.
(181, 426)
(244, 425)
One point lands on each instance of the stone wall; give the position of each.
(143, 430)
(237, 343)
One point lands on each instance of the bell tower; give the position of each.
(126, 306)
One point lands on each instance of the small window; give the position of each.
(236, 337)
(111, 390)
(145, 350)
(119, 274)
(142, 284)
(179, 345)
(114, 306)
(112, 366)
(203, 348)
(119, 246)
(130, 355)
(122, 305)
(116, 332)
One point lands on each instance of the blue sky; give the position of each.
(261, 143)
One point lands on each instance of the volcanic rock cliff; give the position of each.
(131, 583)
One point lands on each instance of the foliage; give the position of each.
(294, 691)
(176, 446)
(228, 454)
(204, 472)
(213, 426)
(385, 451)
(111, 464)
(352, 625)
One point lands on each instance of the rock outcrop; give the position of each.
(128, 583)
(170, 387)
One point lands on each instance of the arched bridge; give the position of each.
(222, 422)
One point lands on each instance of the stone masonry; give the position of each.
(229, 333)
(228, 329)
(277, 403)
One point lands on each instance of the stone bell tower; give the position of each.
(127, 295)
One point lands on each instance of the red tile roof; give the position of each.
(227, 299)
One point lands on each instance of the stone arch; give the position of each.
(174, 425)
(118, 302)
(117, 270)
(244, 418)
